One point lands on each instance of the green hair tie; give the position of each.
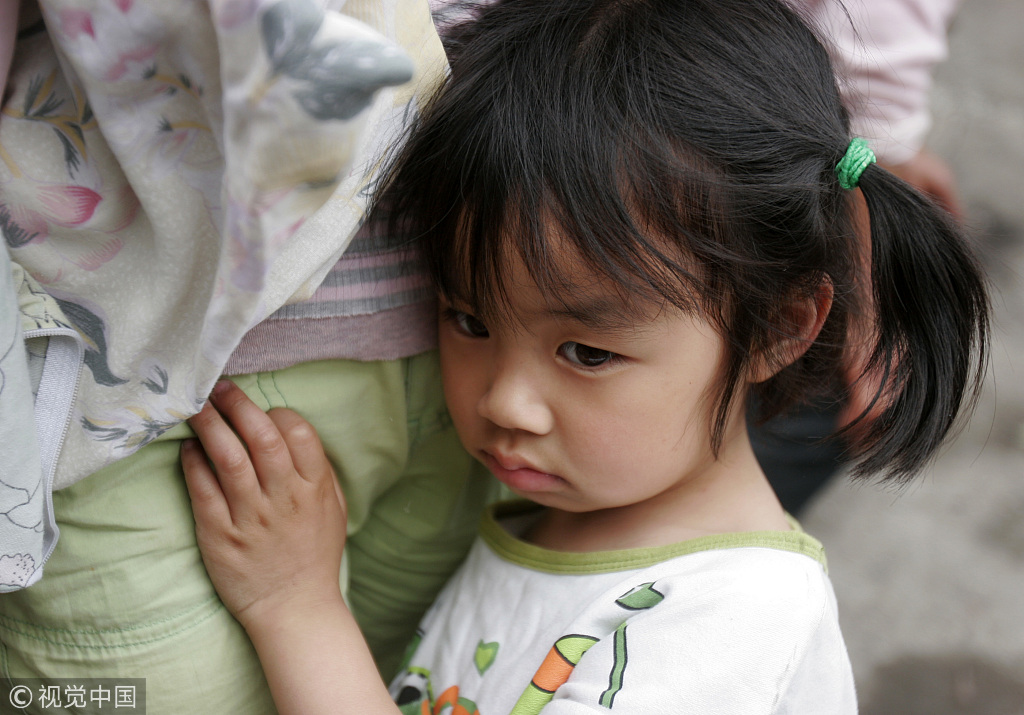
(856, 159)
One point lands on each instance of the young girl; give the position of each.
(637, 214)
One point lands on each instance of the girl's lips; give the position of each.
(521, 479)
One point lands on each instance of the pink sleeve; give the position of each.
(885, 59)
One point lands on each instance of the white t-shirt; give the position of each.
(731, 624)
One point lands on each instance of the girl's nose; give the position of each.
(514, 401)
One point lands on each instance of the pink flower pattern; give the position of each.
(60, 205)
(30, 211)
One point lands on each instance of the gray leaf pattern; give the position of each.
(288, 29)
(337, 79)
(91, 326)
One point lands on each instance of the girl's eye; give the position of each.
(468, 324)
(584, 355)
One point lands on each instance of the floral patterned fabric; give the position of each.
(170, 174)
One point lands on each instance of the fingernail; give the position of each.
(220, 387)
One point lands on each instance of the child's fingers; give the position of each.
(308, 454)
(341, 497)
(203, 488)
(269, 455)
(226, 453)
(303, 443)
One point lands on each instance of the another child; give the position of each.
(637, 213)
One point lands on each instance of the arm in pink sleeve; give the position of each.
(886, 57)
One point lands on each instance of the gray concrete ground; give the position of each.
(930, 581)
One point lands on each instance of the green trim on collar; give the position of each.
(517, 551)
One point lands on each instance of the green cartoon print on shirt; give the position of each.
(415, 694)
(567, 651)
(416, 697)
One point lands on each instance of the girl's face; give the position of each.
(585, 409)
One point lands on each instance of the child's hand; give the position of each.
(270, 518)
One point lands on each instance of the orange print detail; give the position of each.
(553, 672)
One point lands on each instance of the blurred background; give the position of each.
(930, 580)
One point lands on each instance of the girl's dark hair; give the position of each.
(686, 149)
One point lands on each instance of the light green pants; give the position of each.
(125, 593)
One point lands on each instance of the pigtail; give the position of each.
(930, 329)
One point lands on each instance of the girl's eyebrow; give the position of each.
(601, 313)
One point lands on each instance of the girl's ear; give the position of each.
(800, 322)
